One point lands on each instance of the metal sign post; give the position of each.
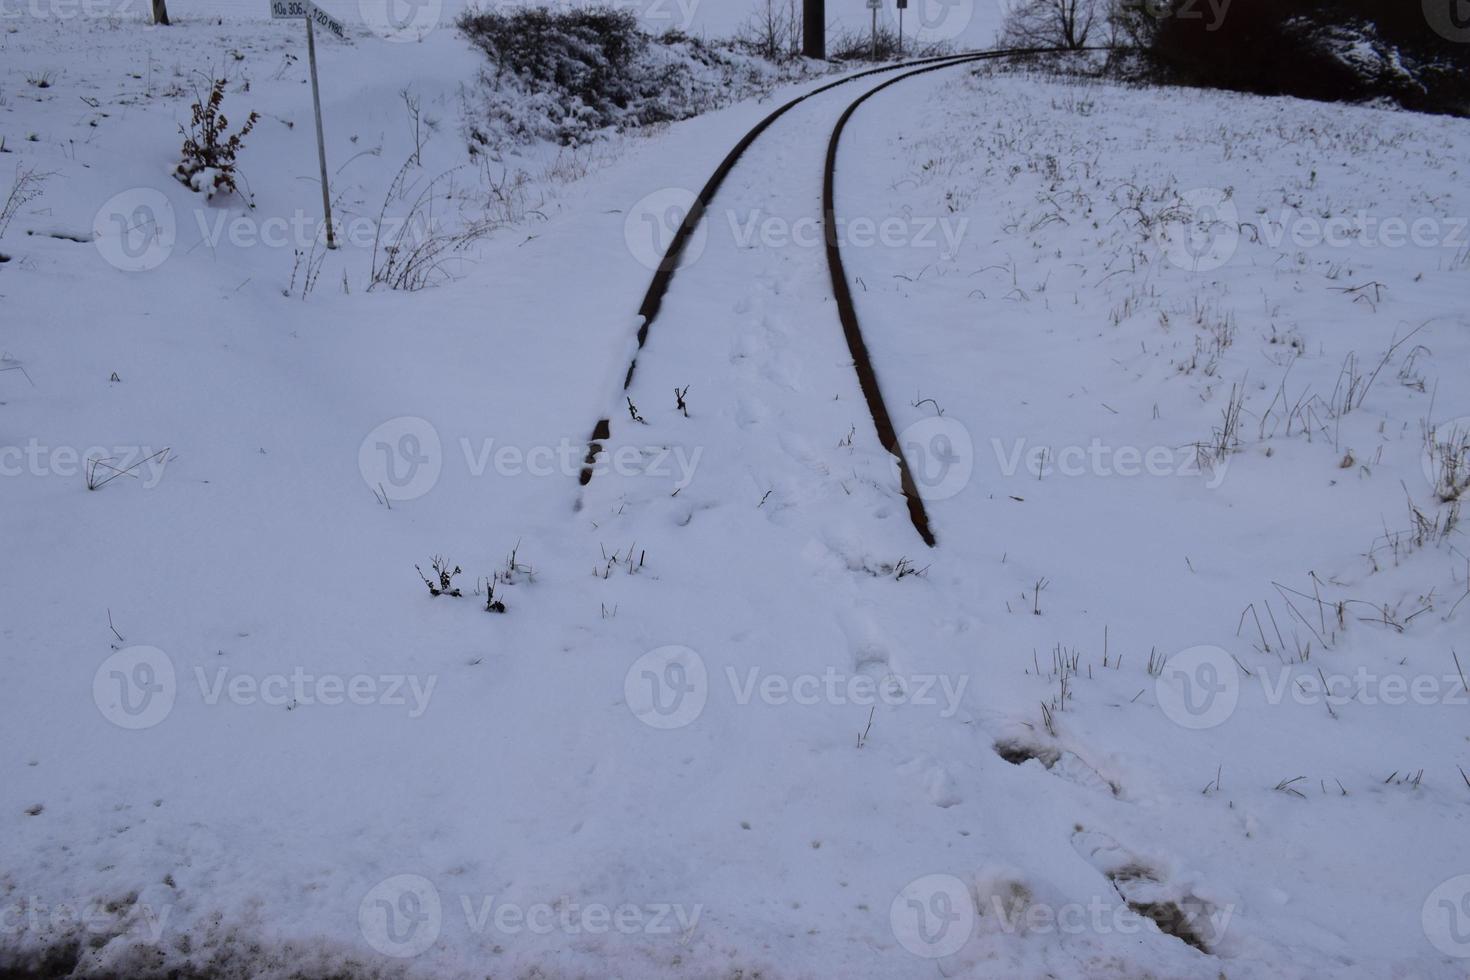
(875, 6)
(902, 6)
(312, 14)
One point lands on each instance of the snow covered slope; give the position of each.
(1165, 362)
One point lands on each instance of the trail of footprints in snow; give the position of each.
(869, 650)
(1146, 889)
(761, 347)
(760, 350)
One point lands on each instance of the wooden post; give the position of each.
(321, 143)
(814, 29)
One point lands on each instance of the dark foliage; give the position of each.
(1316, 49)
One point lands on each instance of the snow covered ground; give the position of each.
(1166, 365)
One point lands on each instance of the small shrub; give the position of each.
(23, 190)
(208, 163)
(443, 581)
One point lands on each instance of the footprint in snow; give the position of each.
(800, 450)
(750, 411)
(1149, 891)
(943, 792)
(782, 370)
(939, 783)
(869, 644)
(1062, 763)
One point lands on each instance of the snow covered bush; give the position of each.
(208, 163)
(571, 75)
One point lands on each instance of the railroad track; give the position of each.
(847, 312)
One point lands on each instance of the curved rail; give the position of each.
(847, 311)
(664, 276)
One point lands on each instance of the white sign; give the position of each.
(297, 9)
(875, 4)
(312, 14)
